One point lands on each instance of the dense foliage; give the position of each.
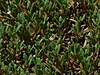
(49, 37)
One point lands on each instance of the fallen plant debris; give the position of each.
(49, 37)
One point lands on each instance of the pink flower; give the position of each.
(51, 38)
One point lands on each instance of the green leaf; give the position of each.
(38, 61)
(58, 41)
(22, 72)
(28, 4)
(19, 26)
(88, 62)
(27, 72)
(21, 17)
(59, 2)
(31, 8)
(17, 1)
(56, 69)
(83, 17)
(21, 43)
(25, 56)
(57, 48)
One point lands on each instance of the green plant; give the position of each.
(49, 37)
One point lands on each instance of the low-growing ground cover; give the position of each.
(49, 37)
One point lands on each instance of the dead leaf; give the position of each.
(2, 17)
(86, 30)
(73, 20)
